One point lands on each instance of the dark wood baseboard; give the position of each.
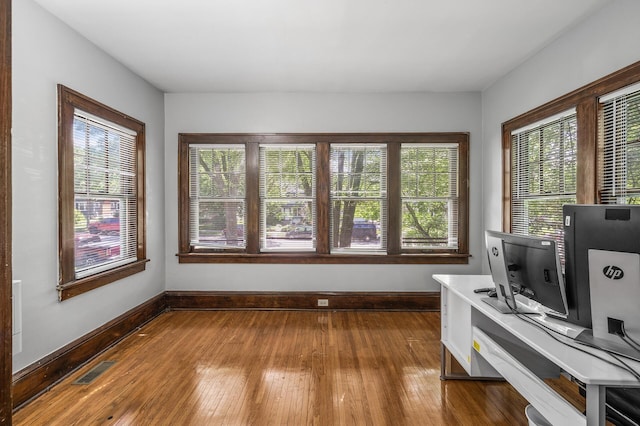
(41, 375)
(401, 301)
(38, 377)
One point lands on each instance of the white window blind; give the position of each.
(619, 147)
(543, 176)
(358, 198)
(429, 193)
(105, 198)
(287, 197)
(217, 186)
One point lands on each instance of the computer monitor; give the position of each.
(594, 226)
(504, 300)
(603, 274)
(533, 271)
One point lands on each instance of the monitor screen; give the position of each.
(534, 271)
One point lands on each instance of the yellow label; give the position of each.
(476, 346)
(468, 359)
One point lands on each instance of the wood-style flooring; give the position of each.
(277, 368)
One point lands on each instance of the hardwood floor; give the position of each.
(277, 368)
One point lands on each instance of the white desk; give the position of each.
(490, 344)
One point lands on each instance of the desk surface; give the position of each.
(569, 357)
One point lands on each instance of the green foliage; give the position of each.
(79, 221)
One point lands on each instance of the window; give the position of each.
(590, 156)
(287, 197)
(619, 147)
(323, 198)
(358, 198)
(217, 196)
(430, 196)
(543, 178)
(101, 184)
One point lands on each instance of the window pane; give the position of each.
(352, 226)
(543, 177)
(105, 214)
(358, 197)
(287, 197)
(428, 224)
(217, 189)
(619, 169)
(429, 192)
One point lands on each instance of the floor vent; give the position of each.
(94, 373)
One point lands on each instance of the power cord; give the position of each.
(549, 331)
(630, 342)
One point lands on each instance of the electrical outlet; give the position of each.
(323, 302)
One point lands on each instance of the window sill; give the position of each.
(283, 258)
(83, 285)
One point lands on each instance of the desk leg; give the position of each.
(596, 405)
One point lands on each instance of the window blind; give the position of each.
(619, 147)
(287, 197)
(217, 207)
(543, 176)
(429, 193)
(358, 197)
(105, 198)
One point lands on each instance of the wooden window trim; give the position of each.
(585, 101)
(322, 255)
(68, 285)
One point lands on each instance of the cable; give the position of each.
(636, 344)
(627, 366)
(548, 331)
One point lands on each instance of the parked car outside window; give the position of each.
(364, 231)
(108, 225)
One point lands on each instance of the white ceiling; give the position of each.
(321, 45)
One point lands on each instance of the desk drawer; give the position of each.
(551, 405)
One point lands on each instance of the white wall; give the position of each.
(604, 43)
(298, 112)
(45, 53)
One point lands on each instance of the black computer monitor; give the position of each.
(534, 271)
(605, 227)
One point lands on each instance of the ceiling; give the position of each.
(321, 45)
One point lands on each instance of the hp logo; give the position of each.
(613, 272)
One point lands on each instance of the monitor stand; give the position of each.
(552, 322)
(504, 308)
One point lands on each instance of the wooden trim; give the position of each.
(506, 179)
(312, 258)
(39, 376)
(322, 255)
(183, 196)
(68, 285)
(5, 213)
(77, 287)
(279, 138)
(252, 196)
(587, 173)
(401, 301)
(394, 198)
(464, 182)
(323, 207)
